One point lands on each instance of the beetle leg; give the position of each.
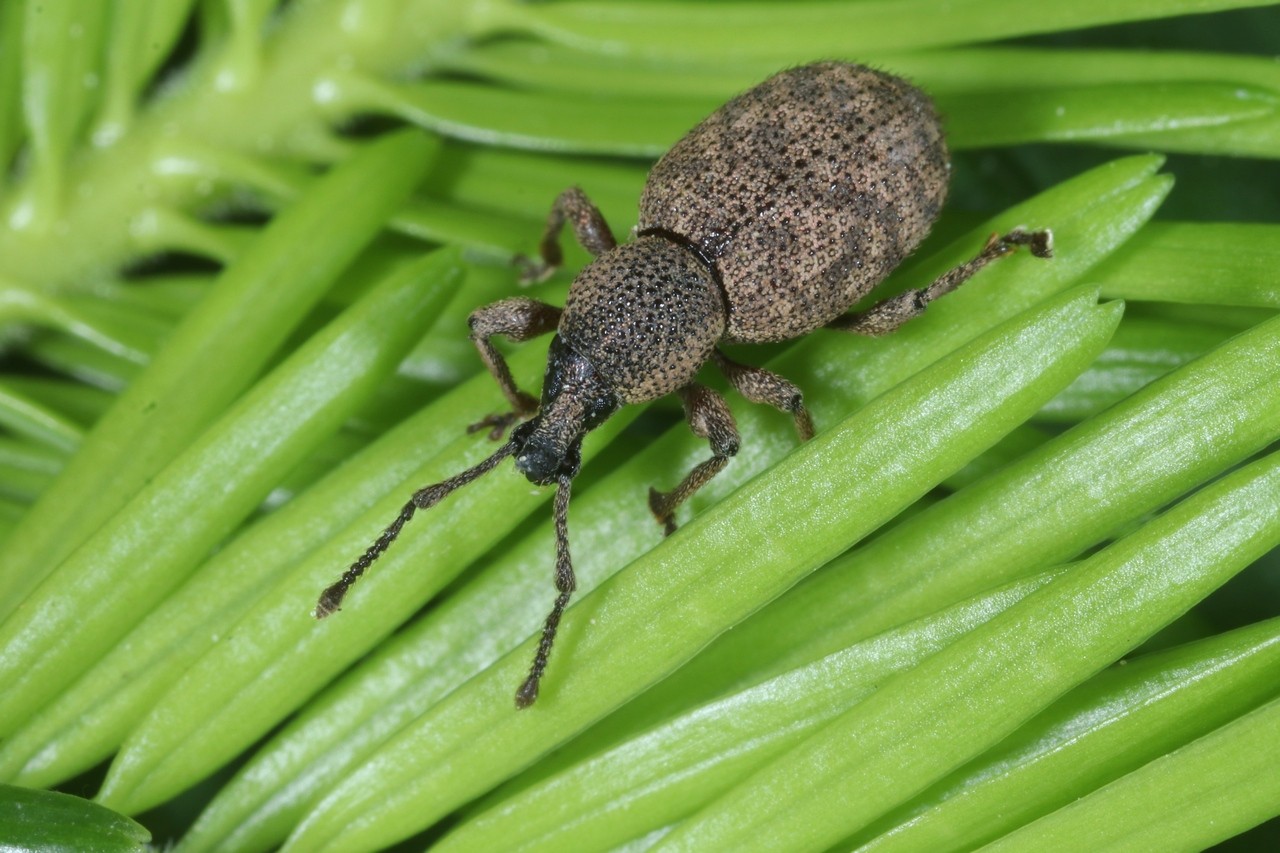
(709, 417)
(763, 386)
(519, 318)
(885, 317)
(588, 225)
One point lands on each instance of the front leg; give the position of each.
(588, 225)
(709, 417)
(519, 318)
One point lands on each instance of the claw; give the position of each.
(497, 424)
(1040, 242)
(531, 271)
(659, 505)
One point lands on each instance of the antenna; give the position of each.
(565, 585)
(425, 498)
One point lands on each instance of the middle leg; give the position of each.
(764, 386)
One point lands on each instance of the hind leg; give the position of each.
(885, 317)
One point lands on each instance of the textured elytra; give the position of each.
(647, 333)
(804, 192)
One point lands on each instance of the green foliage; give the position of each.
(238, 244)
(48, 822)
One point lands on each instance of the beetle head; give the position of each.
(575, 400)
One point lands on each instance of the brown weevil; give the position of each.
(767, 221)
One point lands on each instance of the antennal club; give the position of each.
(565, 585)
(425, 498)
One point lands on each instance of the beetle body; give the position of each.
(765, 222)
(804, 193)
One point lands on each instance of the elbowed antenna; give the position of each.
(565, 585)
(425, 498)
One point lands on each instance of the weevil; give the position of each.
(767, 221)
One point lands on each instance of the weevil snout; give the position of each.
(542, 455)
(575, 400)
